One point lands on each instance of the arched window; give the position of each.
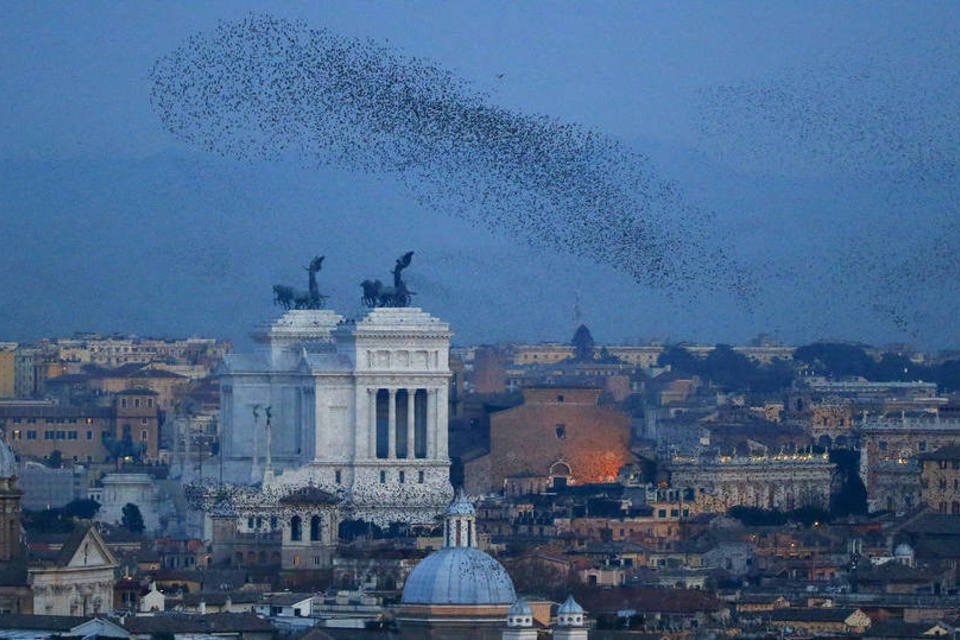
(296, 529)
(315, 529)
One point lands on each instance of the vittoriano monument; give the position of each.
(377, 295)
(290, 298)
(359, 408)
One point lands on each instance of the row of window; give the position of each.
(147, 402)
(401, 477)
(54, 434)
(925, 483)
(53, 420)
(954, 507)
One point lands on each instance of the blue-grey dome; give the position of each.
(570, 607)
(520, 608)
(460, 506)
(459, 575)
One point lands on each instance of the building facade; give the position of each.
(358, 407)
(82, 434)
(768, 482)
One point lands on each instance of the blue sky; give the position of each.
(111, 224)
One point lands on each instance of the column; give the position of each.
(392, 423)
(411, 424)
(431, 424)
(443, 411)
(372, 422)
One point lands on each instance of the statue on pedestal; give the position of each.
(290, 298)
(377, 295)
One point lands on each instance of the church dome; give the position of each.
(459, 575)
(903, 550)
(8, 461)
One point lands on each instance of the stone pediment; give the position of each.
(86, 549)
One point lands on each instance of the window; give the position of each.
(943, 464)
(955, 507)
(942, 507)
(48, 435)
(922, 445)
(143, 421)
(89, 435)
(943, 483)
(662, 513)
(401, 477)
(420, 477)
(316, 562)
(71, 435)
(123, 402)
(560, 398)
(315, 529)
(61, 435)
(383, 477)
(250, 522)
(336, 476)
(31, 435)
(296, 531)
(273, 522)
(143, 435)
(883, 445)
(561, 430)
(136, 402)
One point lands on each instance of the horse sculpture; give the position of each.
(289, 298)
(377, 295)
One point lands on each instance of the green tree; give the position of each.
(55, 459)
(582, 344)
(85, 509)
(132, 519)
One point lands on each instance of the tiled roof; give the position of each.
(210, 623)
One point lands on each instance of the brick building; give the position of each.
(80, 433)
(561, 434)
(940, 479)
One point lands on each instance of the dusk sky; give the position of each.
(818, 139)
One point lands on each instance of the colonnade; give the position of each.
(402, 422)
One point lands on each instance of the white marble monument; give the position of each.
(357, 408)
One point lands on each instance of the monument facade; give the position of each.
(357, 408)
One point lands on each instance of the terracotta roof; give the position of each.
(596, 601)
(29, 621)
(951, 452)
(821, 614)
(210, 623)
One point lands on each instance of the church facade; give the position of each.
(357, 408)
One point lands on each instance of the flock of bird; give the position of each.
(885, 126)
(268, 88)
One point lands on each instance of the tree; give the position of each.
(85, 509)
(55, 459)
(582, 344)
(132, 520)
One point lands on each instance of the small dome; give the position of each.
(570, 607)
(520, 608)
(459, 575)
(903, 550)
(8, 461)
(460, 506)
